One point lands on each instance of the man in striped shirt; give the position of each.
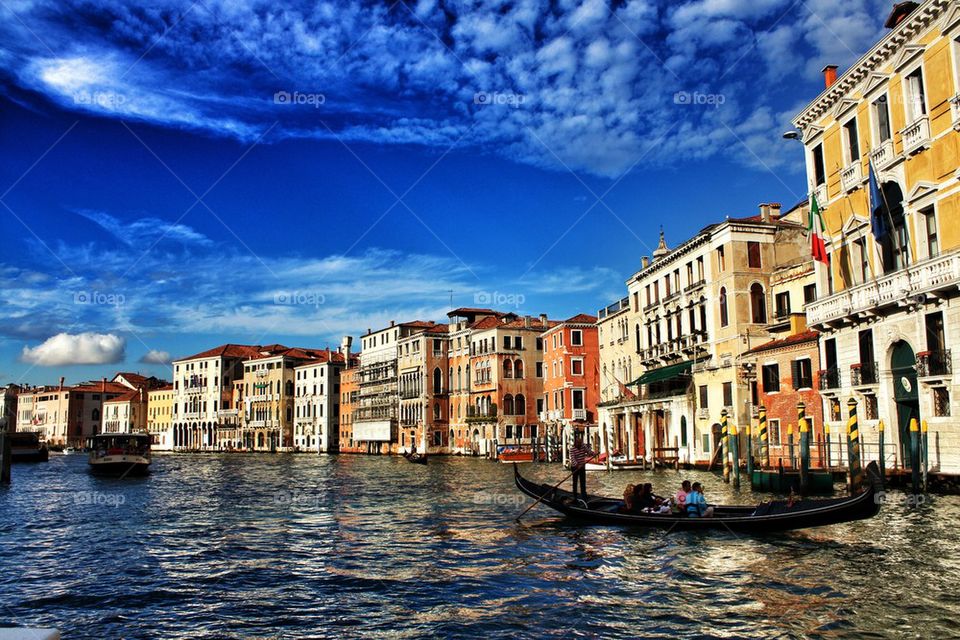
(580, 454)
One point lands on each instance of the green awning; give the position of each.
(663, 373)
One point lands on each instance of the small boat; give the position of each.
(617, 463)
(120, 454)
(72, 450)
(767, 517)
(415, 458)
(26, 446)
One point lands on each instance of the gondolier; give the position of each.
(580, 454)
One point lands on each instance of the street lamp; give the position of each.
(792, 134)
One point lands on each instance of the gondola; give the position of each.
(767, 517)
(415, 458)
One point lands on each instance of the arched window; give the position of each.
(519, 405)
(508, 368)
(703, 315)
(437, 381)
(724, 318)
(637, 332)
(436, 410)
(459, 378)
(95, 414)
(758, 303)
(518, 368)
(288, 391)
(508, 405)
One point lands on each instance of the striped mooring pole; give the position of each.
(764, 444)
(735, 454)
(853, 447)
(883, 457)
(793, 455)
(914, 456)
(924, 447)
(725, 446)
(804, 446)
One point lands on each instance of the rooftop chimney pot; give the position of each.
(829, 75)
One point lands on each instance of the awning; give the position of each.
(663, 373)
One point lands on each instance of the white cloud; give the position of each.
(84, 348)
(155, 357)
(143, 232)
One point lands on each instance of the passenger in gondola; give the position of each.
(627, 506)
(643, 500)
(696, 503)
(681, 498)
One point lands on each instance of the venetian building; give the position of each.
(887, 305)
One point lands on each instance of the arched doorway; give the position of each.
(903, 365)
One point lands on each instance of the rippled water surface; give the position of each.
(350, 546)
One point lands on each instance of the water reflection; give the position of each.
(303, 546)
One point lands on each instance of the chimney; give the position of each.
(543, 319)
(645, 262)
(765, 212)
(829, 75)
(393, 322)
(345, 345)
(62, 381)
(775, 209)
(900, 11)
(526, 322)
(798, 323)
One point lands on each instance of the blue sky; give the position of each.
(177, 175)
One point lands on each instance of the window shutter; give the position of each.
(795, 373)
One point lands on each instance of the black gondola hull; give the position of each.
(803, 515)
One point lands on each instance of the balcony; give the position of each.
(829, 379)
(864, 374)
(934, 364)
(670, 297)
(916, 136)
(883, 156)
(851, 175)
(579, 414)
(896, 289)
(820, 191)
(695, 285)
(955, 111)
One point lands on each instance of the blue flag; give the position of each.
(877, 219)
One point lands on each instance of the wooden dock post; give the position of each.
(826, 445)
(855, 470)
(790, 447)
(749, 436)
(764, 444)
(914, 456)
(725, 444)
(5, 457)
(804, 446)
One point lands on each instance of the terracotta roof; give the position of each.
(473, 311)
(167, 387)
(789, 341)
(140, 381)
(440, 329)
(231, 351)
(581, 318)
(419, 324)
(515, 323)
(299, 353)
(95, 387)
(126, 397)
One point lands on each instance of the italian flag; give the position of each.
(816, 228)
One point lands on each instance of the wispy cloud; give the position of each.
(144, 232)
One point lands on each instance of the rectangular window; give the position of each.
(863, 260)
(539, 368)
(509, 431)
(771, 380)
(753, 255)
(721, 259)
(809, 293)
(506, 342)
(871, 407)
(852, 140)
(933, 239)
(704, 402)
(576, 366)
(773, 432)
(706, 442)
(881, 114)
(916, 106)
(941, 402)
(577, 398)
(802, 373)
(576, 338)
(728, 394)
(666, 286)
(782, 301)
(936, 336)
(819, 173)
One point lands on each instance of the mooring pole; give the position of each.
(826, 445)
(764, 445)
(925, 448)
(915, 456)
(883, 454)
(735, 451)
(804, 446)
(725, 446)
(748, 434)
(853, 447)
(790, 446)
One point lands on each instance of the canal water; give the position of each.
(303, 546)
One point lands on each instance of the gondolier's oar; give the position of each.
(555, 487)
